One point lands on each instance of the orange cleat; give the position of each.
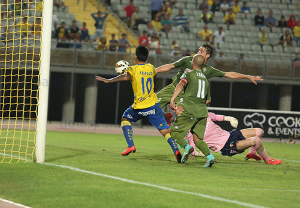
(274, 162)
(178, 156)
(253, 156)
(128, 151)
(168, 118)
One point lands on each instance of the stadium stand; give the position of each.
(241, 36)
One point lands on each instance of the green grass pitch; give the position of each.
(251, 182)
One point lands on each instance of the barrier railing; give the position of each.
(267, 66)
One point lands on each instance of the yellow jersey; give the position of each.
(142, 81)
(227, 16)
(24, 27)
(205, 34)
(296, 31)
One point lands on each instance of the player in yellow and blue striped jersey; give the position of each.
(145, 103)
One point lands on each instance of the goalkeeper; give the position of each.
(193, 117)
(145, 103)
(236, 141)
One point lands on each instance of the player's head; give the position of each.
(206, 51)
(141, 53)
(198, 61)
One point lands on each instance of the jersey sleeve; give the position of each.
(215, 117)
(184, 78)
(154, 71)
(130, 71)
(181, 62)
(213, 72)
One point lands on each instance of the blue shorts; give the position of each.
(230, 146)
(154, 114)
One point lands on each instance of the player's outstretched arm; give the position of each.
(165, 68)
(120, 78)
(233, 121)
(235, 75)
(178, 89)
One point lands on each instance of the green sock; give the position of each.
(179, 139)
(202, 146)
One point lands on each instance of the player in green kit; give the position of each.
(194, 114)
(184, 64)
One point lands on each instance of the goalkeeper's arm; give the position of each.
(233, 121)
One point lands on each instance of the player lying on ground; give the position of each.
(234, 142)
(184, 64)
(193, 117)
(145, 103)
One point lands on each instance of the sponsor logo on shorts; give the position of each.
(231, 144)
(176, 127)
(147, 113)
(233, 152)
(161, 125)
(204, 69)
(129, 116)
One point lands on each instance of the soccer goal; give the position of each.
(24, 79)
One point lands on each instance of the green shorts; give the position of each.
(164, 96)
(184, 122)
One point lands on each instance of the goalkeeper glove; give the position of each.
(233, 121)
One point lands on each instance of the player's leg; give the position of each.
(248, 133)
(164, 95)
(180, 127)
(256, 143)
(198, 135)
(158, 120)
(129, 116)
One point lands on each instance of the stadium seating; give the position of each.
(242, 36)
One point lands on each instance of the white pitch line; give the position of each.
(157, 186)
(14, 203)
(201, 186)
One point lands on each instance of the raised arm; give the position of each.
(165, 68)
(178, 89)
(94, 15)
(120, 78)
(233, 121)
(235, 75)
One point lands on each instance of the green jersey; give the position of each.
(196, 93)
(185, 64)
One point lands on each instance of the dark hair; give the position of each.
(73, 21)
(142, 53)
(62, 23)
(113, 34)
(173, 42)
(209, 49)
(282, 17)
(144, 31)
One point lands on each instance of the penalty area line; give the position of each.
(157, 186)
(13, 203)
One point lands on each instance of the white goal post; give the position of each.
(44, 81)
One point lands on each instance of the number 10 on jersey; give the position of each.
(149, 82)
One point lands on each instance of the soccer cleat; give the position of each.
(187, 151)
(178, 156)
(168, 117)
(128, 151)
(210, 160)
(253, 156)
(274, 162)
